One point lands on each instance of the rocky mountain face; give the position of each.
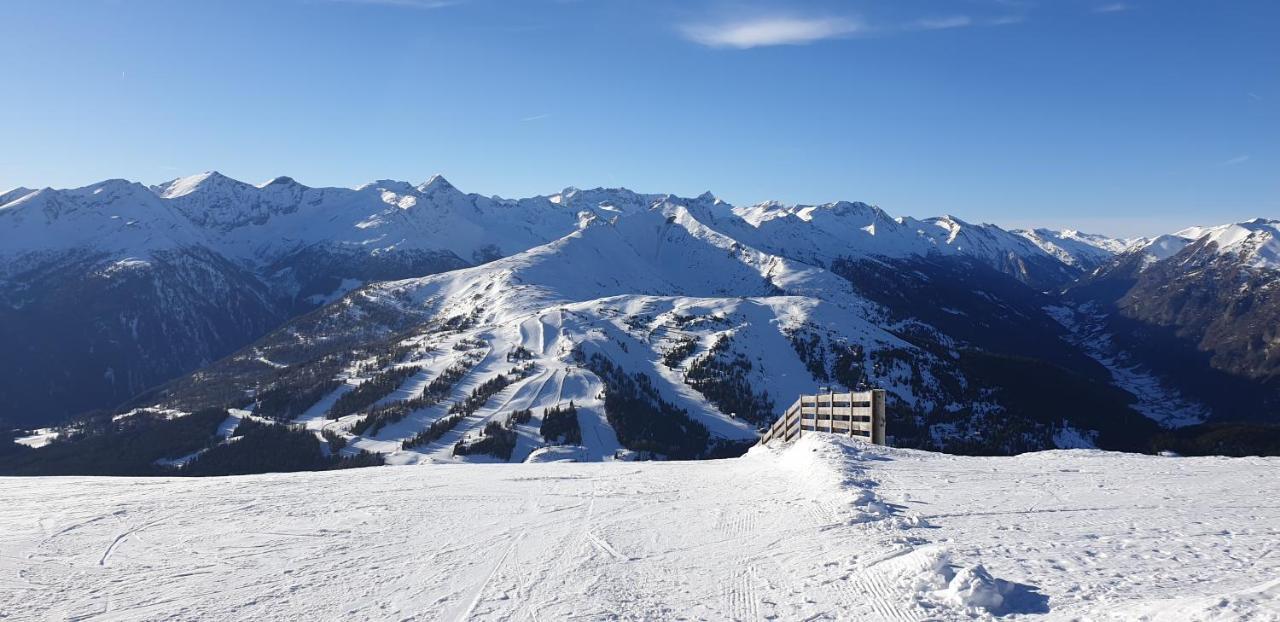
(422, 324)
(1201, 308)
(1220, 293)
(86, 332)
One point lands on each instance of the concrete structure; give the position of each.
(859, 414)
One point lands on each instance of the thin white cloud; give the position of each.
(537, 117)
(943, 23)
(1006, 20)
(767, 31)
(1115, 7)
(1240, 159)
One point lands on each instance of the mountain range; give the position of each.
(223, 322)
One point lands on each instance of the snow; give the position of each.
(825, 529)
(615, 289)
(38, 438)
(822, 233)
(1076, 248)
(117, 217)
(259, 224)
(13, 195)
(234, 417)
(1256, 242)
(1105, 535)
(1165, 246)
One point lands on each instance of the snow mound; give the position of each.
(974, 588)
(831, 466)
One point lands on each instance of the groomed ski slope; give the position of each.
(825, 529)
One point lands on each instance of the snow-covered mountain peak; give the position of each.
(207, 182)
(281, 182)
(390, 185)
(1230, 234)
(847, 214)
(112, 216)
(1165, 246)
(609, 200)
(665, 250)
(117, 196)
(15, 199)
(1086, 251)
(950, 225)
(1255, 242)
(217, 202)
(268, 221)
(838, 214)
(115, 189)
(437, 184)
(561, 197)
(1113, 245)
(14, 195)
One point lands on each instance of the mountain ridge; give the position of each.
(704, 316)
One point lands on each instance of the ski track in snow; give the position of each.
(800, 533)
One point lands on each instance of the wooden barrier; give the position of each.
(859, 414)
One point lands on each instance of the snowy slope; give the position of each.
(1255, 243)
(262, 223)
(624, 290)
(14, 195)
(822, 530)
(117, 217)
(1077, 248)
(1164, 247)
(823, 233)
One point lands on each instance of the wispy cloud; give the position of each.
(536, 117)
(1114, 7)
(1240, 159)
(408, 4)
(767, 31)
(942, 23)
(1006, 20)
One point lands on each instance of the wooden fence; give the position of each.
(859, 414)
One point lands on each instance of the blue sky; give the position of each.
(1133, 117)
